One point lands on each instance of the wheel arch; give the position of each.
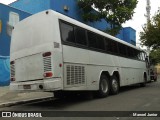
(116, 73)
(104, 73)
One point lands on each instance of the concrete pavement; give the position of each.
(8, 98)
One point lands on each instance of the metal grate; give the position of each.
(12, 70)
(75, 75)
(47, 64)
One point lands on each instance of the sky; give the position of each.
(138, 19)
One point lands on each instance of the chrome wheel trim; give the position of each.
(114, 85)
(104, 86)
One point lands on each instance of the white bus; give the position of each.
(52, 52)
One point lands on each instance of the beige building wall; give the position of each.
(157, 67)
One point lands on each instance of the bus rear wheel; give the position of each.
(114, 85)
(104, 87)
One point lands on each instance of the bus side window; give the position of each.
(67, 32)
(122, 49)
(136, 52)
(100, 42)
(108, 45)
(111, 46)
(92, 39)
(80, 35)
(95, 41)
(114, 47)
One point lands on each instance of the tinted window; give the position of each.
(80, 36)
(95, 41)
(111, 46)
(136, 54)
(129, 52)
(107, 45)
(67, 32)
(122, 49)
(100, 42)
(92, 40)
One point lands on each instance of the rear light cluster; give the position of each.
(12, 65)
(46, 54)
(48, 74)
(47, 65)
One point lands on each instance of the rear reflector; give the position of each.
(48, 74)
(46, 54)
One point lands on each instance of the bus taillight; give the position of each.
(48, 74)
(46, 54)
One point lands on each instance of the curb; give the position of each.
(8, 104)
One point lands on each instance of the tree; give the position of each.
(115, 12)
(150, 37)
(155, 56)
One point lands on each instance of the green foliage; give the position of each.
(116, 12)
(155, 56)
(150, 37)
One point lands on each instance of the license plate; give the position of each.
(27, 86)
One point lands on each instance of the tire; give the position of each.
(104, 87)
(114, 85)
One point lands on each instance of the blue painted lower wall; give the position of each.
(4, 71)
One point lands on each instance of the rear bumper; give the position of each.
(40, 85)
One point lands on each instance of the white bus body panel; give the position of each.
(131, 72)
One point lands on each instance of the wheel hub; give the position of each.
(104, 86)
